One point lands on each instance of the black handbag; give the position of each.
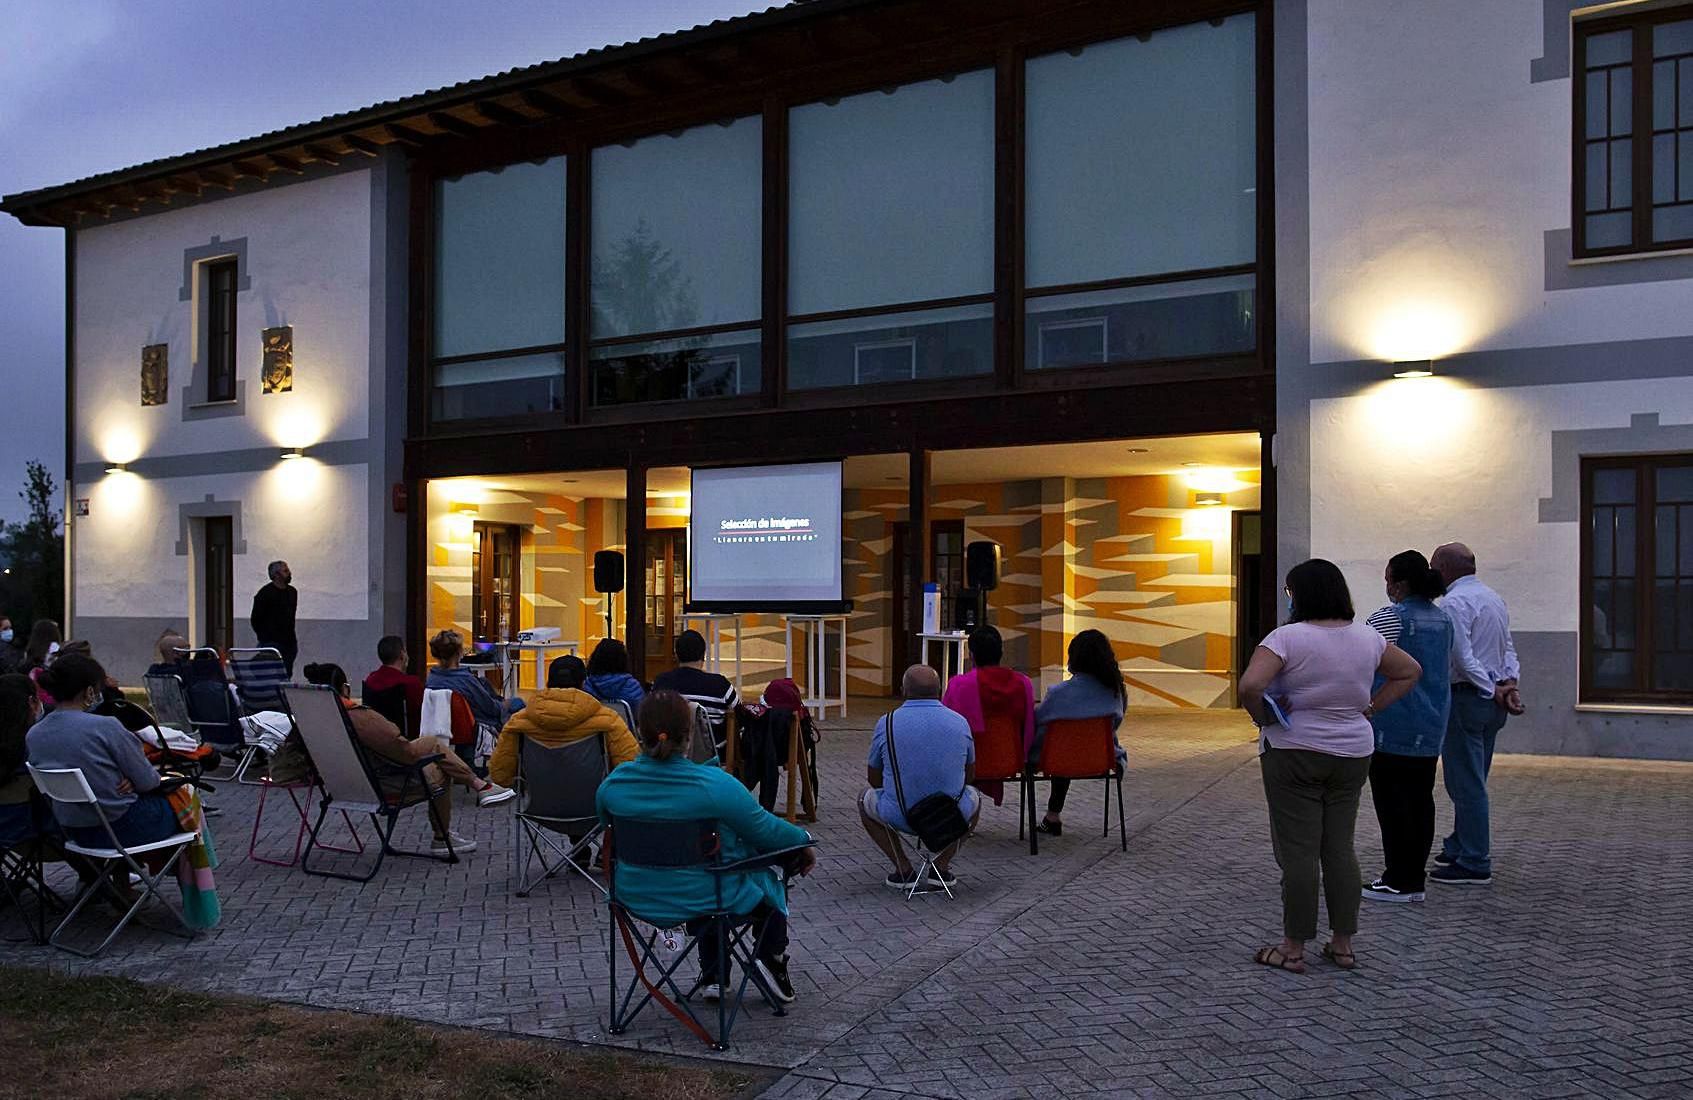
(937, 820)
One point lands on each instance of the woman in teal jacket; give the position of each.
(663, 784)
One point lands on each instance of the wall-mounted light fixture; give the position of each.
(1414, 368)
(293, 452)
(118, 468)
(464, 508)
(1207, 500)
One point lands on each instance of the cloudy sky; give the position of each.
(87, 86)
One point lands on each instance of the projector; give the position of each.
(539, 635)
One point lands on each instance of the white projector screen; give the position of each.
(766, 537)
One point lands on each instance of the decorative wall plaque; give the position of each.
(155, 374)
(278, 371)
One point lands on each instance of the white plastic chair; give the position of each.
(70, 786)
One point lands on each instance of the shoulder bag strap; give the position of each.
(893, 765)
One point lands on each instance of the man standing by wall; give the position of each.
(274, 606)
(1484, 691)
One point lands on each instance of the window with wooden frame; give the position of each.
(1633, 131)
(221, 282)
(1637, 579)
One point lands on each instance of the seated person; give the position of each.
(124, 783)
(561, 714)
(167, 660)
(990, 689)
(391, 651)
(689, 679)
(19, 710)
(487, 706)
(937, 755)
(1095, 689)
(662, 783)
(384, 740)
(609, 677)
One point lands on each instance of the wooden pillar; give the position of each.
(634, 567)
(917, 565)
(1269, 576)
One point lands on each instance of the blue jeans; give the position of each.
(1467, 757)
(148, 818)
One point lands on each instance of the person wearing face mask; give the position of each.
(1409, 734)
(11, 653)
(108, 754)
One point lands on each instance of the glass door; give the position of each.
(666, 563)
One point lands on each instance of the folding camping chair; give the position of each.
(555, 791)
(22, 874)
(683, 846)
(391, 704)
(209, 706)
(1082, 748)
(70, 786)
(1000, 758)
(352, 780)
(259, 677)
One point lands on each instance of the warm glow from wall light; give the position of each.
(121, 448)
(298, 426)
(1417, 418)
(1213, 479)
(1209, 524)
(1207, 500)
(1417, 332)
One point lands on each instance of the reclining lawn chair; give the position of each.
(209, 707)
(555, 791)
(70, 786)
(681, 846)
(259, 676)
(353, 780)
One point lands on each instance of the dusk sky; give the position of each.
(88, 86)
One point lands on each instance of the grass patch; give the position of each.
(114, 1039)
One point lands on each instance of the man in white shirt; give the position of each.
(1484, 692)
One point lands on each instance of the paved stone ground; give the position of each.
(1083, 971)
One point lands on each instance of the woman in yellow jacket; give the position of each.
(561, 715)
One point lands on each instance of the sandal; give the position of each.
(1346, 960)
(1274, 956)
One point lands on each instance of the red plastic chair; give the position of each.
(1084, 748)
(1000, 757)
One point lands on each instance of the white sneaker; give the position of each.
(494, 794)
(461, 845)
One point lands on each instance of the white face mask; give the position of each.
(52, 648)
(6, 635)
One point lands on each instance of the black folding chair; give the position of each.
(352, 779)
(683, 846)
(555, 791)
(391, 704)
(23, 874)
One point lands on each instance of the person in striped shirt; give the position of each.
(689, 679)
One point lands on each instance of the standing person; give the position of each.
(274, 608)
(689, 679)
(1321, 666)
(1095, 689)
(1484, 691)
(609, 677)
(1409, 733)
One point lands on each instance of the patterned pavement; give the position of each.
(1084, 970)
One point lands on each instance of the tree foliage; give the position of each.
(33, 554)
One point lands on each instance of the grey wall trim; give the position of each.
(1295, 379)
(1553, 725)
(1554, 60)
(1562, 364)
(338, 452)
(1644, 435)
(216, 249)
(1561, 274)
(186, 513)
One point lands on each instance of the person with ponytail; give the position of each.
(110, 757)
(1409, 733)
(664, 784)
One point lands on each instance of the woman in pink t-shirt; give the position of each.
(1315, 754)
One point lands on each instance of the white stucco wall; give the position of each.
(1436, 168)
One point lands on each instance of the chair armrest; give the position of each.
(764, 859)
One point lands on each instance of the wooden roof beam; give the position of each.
(322, 155)
(592, 92)
(502, 115)
(248, 170)
(545, 102)
(358, 144)
(645, 81)
(287, 164)
(405, 135)
(452, 124)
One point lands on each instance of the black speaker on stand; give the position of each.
(981, 576)
(608, 579)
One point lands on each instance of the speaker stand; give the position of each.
(609, 597)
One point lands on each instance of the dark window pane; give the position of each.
(1613, 670)
(1663, 538)
(1669, 39)
(1601, 609)
(942, 343)
(499, 387)
(1604, 526)
(1685, 92)
(1622, 173)
(1622, 613)
(1596, 179)
(1673, 223)
(1625, 566)
(1596, 105)
(1684, 618)
(1663, 96)
(1170, 321)
(1622, 101)
(1685, 564)
(1675, 484)
(1613, 486)
(1613, 48)
(1663, 616)
(1609, 230)
(1663, 168)
(1673, 672)
(672, 370)
(1685, 157)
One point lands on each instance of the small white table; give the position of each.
(714, 640)
(815, 629)
(513, 652)
(953, 638)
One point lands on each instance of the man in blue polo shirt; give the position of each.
(936, 754)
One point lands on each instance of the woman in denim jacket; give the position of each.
(1409, 733)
